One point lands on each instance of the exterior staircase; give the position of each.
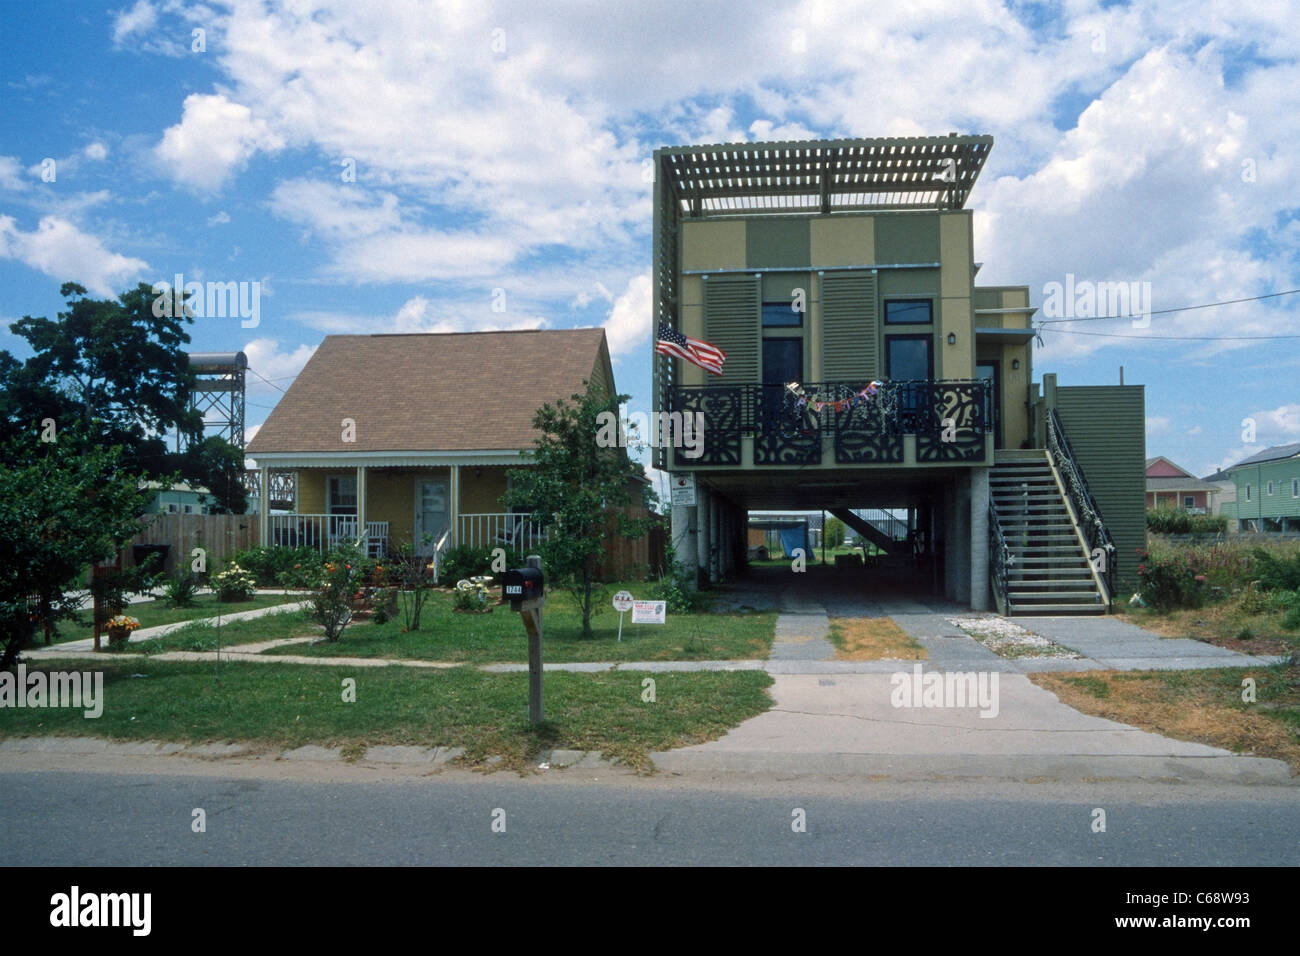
(870, 530)
(1047, 570)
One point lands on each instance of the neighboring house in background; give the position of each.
(1224, 496)
(412, 435)
(1171, 486)
(1268, 490)
(179, 499)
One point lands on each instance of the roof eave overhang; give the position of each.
(387, 459)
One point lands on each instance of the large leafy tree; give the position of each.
(113, 369)
(577, 487)
(63, 505)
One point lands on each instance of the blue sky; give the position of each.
(502, 146)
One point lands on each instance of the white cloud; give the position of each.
(270, 362)
(1194, 430)
(139, 19)
(420, 314)
(628, 325)
(220, 219)
(62, 251)
(96, 151)
(11, 173)
(215, 137)
(1278, 424)
(1157, 424)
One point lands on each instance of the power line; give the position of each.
(1181, 338)
(267, 380)
(1184, 308)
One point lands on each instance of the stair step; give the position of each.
(1027, 609)
(1021, 595)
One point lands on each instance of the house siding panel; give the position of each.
(850, 327)
(1106, 426)
(731, 318)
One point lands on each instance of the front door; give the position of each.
(430, 512)
(988, 369)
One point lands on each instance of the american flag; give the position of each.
(706, 356)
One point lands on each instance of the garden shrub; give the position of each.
(463, 561)
(1171, 581)
(1173, 521)
(268, 564)
(1277, 572)
(181, 589)
(234, 583)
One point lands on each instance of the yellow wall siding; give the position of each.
(390, 496)
(311, 491)
(481, 493)
(692, 324)
(713, 245)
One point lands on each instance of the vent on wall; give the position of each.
(732, 311)
(850, 327)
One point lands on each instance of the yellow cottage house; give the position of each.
(408, 436)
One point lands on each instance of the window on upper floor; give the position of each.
(909, 312)
(777, 315)
(1270, 489)
(1295, 487)
(1247, 492)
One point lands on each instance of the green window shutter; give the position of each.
(850, 327)
(732, 315)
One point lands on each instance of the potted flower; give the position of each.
(471, 594)
(119, 630)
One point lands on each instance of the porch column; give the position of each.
(682, 530)
(361, 508)
(453, 507)
(704, 502)
(979, 539)
(263, 505)
(715, 507)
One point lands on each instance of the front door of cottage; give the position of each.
(430, 512)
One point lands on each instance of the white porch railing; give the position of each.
(324, 532)
(499, 531)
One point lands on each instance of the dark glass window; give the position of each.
(781, 315)
(782, 361)
(908, 312)
(908, 358)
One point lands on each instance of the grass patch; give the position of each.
(499, 636)
(202, 636)
(290, 705)
(873, 639)
(156, 613)
(1204, 706)
(1227, 624)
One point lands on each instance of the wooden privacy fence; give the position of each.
(632, 557)
(219, 535)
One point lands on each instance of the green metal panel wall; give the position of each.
(907, 237)
(777, 243)
(1106, 425)
(850, 328)
(732, 311)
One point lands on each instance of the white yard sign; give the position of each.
(649, 612)
(683, 490)
(623, 602)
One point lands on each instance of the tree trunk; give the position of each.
(586, 597)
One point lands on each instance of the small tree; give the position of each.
(579, 478)
(331, 599)
(407, 570)
(64, 505)
(834, 532)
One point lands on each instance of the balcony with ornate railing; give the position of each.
(866, 423)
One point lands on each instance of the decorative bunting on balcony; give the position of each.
(817, 404)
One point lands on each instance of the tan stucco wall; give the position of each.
(481, 493)
(843, 242)
(390, 496)
(311, 492)
(956, 288)
(713, 245)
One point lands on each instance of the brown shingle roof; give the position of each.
(459, 391)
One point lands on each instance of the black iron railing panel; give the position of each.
(866, 421)
(1000, 558)
(1091, 524)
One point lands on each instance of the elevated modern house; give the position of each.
(822, 267)
(1267, 491)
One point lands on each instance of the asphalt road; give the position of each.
(69, 818)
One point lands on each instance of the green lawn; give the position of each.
(203, 636)
(499, 636)
(156, 612)
(291, 705)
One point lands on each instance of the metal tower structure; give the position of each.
(219, 393)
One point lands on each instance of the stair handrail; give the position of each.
(1000, 557)
(1086, 510)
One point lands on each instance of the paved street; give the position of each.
(80, 818)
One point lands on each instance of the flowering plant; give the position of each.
(234, 583)
(121, 622)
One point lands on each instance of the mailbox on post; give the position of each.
(520, 585)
